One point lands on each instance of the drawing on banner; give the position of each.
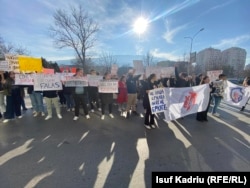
(108, 86)
(4, 66)
(189, 100)
(157, 99)
(138, 67)
(13, 62)
(236, 94)
(214, 74)
(24, 79)
(46, 82)
(77, 82)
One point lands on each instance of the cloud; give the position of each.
(170, 33)
(164, 55)
(237, 41)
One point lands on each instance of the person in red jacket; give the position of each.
(122, 96)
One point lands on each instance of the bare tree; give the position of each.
(148, 59)
(107, 60)
(75, 30)
(10, 48)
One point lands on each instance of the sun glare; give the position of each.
(140, 25)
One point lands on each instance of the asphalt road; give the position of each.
(118, 152)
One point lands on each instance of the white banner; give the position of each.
(94, 80)
(76, 82)
(185, 101)
(157, 99)
(46, 82)
(24, 79)
(236, 95)
(108, 86)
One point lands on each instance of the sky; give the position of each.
(171, 26)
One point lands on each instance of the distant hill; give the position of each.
(121, 60)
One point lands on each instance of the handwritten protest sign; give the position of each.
(13, 62)
(76, 82)
(108, 86)
(4, 66)
(46, 82)
(138, 66)
(30, 64)
(94, 80)
(24, 79)
(214, 74)
(158, 102)
(65, 75)
(114, 69)
(153, 70)
(167, 72)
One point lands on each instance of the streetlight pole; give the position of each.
(191, 46)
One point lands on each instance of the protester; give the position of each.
(245, 83)
(149, 117)
(106, 99)
(36, 98)
(218, 92)
(2, 97)
(13, 98)
(132, 92)
(122, 96)
(70, 103)
(51, 98)
(79, 95)
(182, 79)
(93, 95)
(23, 105)
(202, 116)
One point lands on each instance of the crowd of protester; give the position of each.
(131, 88)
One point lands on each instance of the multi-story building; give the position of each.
(209, 59)
(236, 58)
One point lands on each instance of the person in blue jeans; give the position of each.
(218, 92)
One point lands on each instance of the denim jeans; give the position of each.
(37, 101)
(217, 101)
(69, 101)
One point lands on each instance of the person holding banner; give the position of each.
(149, 117)
(202, 116)
(246, 83)
(13, 98)
(79, 95)
(218, 92)
(106, 99)
(51, 98)
(132, 92)
(122, 96)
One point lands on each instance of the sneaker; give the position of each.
(111, 115)
(75, 118)
(68, 110)
(87, 116)
(216, 115)
(153, 126)
(59, 116)
(48, 117)
(73, 109)
(6, 121)
(19, 117)
(102, 117)
(35, 114)
(99, 109)
(92, 110)
(147, 126)
(43, 114)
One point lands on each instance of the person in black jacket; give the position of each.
(181, 79)
(149, 117)
(132, 92)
